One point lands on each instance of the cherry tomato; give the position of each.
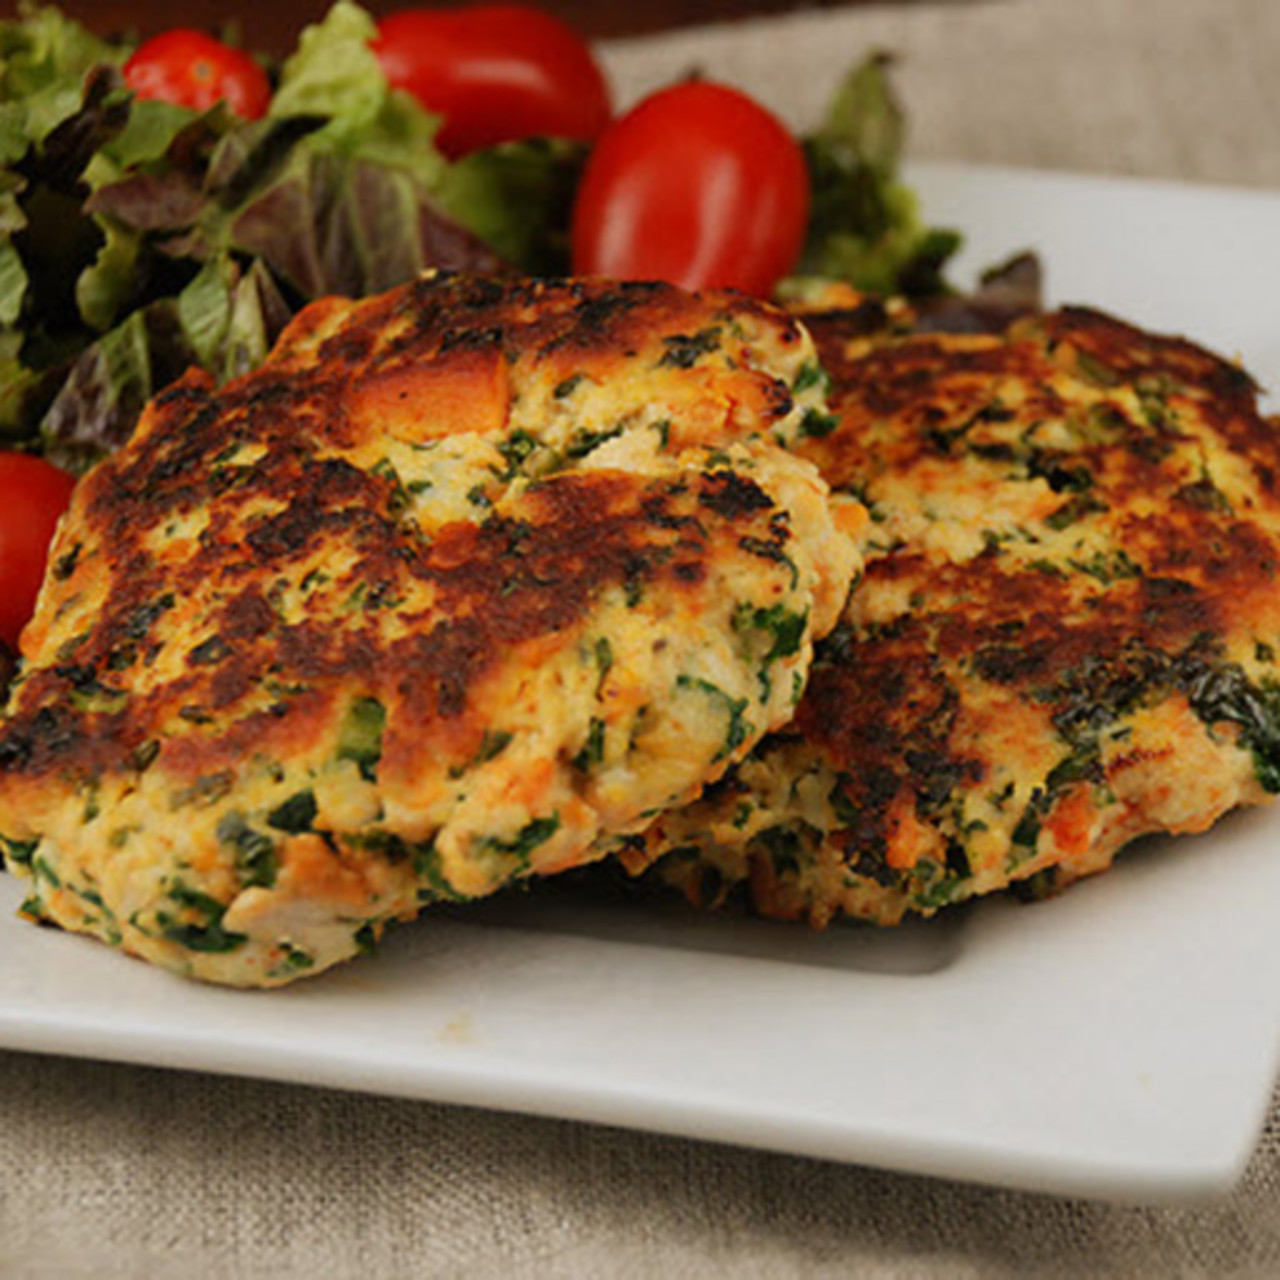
(496, 73)
(698, 185)
(33, 494)
(192, 69)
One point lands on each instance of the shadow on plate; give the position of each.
(597, 907)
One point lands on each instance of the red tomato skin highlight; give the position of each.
(33, 495)
(191, 69)
(698, 185)
(496, 73)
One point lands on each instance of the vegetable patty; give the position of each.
(1067, 635)
(464, 579)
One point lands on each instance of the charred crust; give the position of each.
(731, 494)
(494, 587)
(1159, 567)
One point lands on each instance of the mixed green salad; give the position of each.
(138, 238)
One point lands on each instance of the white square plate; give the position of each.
(1121, 1040)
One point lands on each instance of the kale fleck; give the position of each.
(817, 424)
(811, 375)
(770, 549)
(516, 449)
(294, 815)
(535, 832)
(205, 933)
(785, 626)
(360, 735)
(584, 442)
(739, 726)
(1225, 695)
(434, 884)
(1073, 510)
(784, 847)
(18, 853)
(683, 350)
(214, 649)
(592, 752)
(933, 885)
(257, 862)
(604, 661)
(295, 960)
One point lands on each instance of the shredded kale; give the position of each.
(257, 862)
(205, 933)
(684, 350)
(360, 735)
(592, 752)
(535, 832)
(18, 853)
(739, 726)
(435, 884)
(294, 815)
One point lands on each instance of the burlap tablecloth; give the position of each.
(116, 1171)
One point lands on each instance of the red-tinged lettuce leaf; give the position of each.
(137, 238)
(225, 320)
(206, 170)
(107, 385)
(66, 274)
(329, 224)
(338, 192)
(336, 79)
(166, 201)
(160, 132)
(1005, 293)
(323, 219)
(131, 212)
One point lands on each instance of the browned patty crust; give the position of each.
(465, 578)
(1066, 635)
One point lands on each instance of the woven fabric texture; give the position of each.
(1184, 89)
(110, 1171)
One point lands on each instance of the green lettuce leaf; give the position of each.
(336, 77)
(47, 246)
(334, 74)
(44, 58)
(230, 317)
(105, 287)
(44, 47)
(865, 226)
(518, 198)
(150, 134)
(13, 273)
(258, 314)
